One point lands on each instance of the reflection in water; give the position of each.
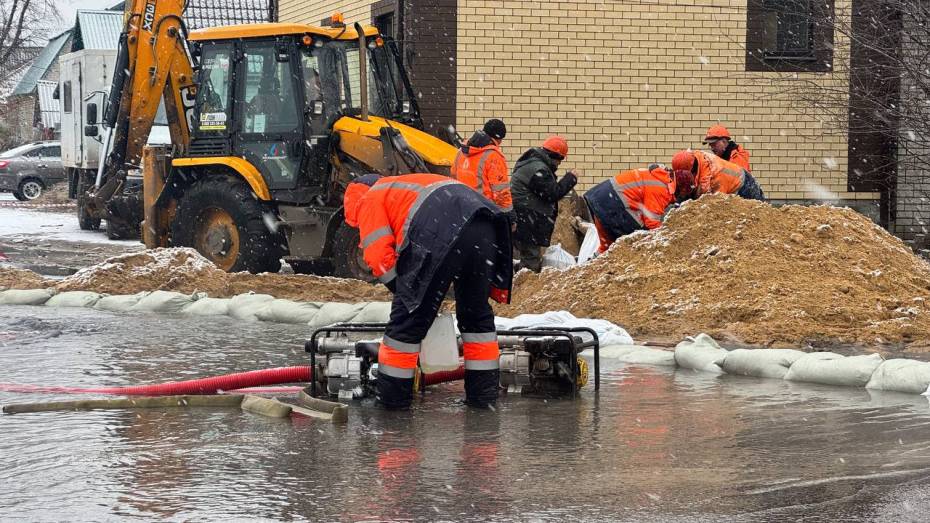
(655, 444)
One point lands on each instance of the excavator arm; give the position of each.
(155, 64)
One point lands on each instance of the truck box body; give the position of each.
(85, 77)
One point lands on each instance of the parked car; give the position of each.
(29, 169)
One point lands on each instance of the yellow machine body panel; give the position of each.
(276, 29)
(431, 149)
(245, 169)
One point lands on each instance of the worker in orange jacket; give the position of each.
(635, 200)
(713, 174)
(420, 233)
(481, 165)
(719, 141)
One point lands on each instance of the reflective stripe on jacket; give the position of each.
(716, 175)
(484, 169)
(408, 224)
(631, 200)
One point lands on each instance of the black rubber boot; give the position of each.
(394, 393)
(481, 387)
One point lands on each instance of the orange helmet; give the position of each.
(715, 132)
(683, 160)
(557, 145)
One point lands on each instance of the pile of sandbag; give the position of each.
(247, 307)
(702, 353)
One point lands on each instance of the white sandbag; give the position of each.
(590, 244)
(163, 301)
(636, 354)
(25, 296)
(557, 257)
(901, 375)
(120, 303)
(759, 363)
(334, 312)
(607, 332)
(833, 369)
(288, 311)
(207, 307)
(74, 299)
(700, 352)
(374, 312)
(247, 306)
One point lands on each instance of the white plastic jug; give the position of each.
(440, 350)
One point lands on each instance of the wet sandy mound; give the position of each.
(748, 272)
(11, 278)
(564, 232)
(185, 270)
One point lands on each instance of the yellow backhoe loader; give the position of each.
(269, 123)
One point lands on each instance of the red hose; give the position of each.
(215, 384)
(444, 376)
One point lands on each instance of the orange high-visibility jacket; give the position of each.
(484, 169)
(408, 224)
(645, 193)
(716, 175)
(740, 157)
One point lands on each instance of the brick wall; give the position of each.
(304, 12)
(630, 82)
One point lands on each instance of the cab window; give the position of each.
(213, 92)
(267, 98)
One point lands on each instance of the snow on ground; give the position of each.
(7, 197)
(53, 226)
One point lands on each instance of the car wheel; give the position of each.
(30, 189)
(19, 196)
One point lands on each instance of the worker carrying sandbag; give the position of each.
(536, 195)
(635, 200)
(481, 165)
(420, 233)
(719, 141)
(713, 174)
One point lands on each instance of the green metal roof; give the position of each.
(97, 29)
(42, 63)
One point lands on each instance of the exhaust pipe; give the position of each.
(363, 69)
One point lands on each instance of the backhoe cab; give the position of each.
(284, 117)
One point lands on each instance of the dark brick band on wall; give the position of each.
(873, 90)
(430, 33)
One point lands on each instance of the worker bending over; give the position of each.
(635, 200)
(481, 165)
(420, 233)
(536, 195)
(713, 174)
(719, 141)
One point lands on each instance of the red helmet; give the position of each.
(557, 145)
(683, 160)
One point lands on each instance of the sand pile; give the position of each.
(748, 272)
(185, 270)
(12, 278)
(565, 232)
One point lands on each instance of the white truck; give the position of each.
(84, 81)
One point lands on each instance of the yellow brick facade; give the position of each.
(629, 83)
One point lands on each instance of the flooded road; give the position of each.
(655, 444)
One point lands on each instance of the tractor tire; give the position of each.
(29, 189)
(347, 255)
(223, 221)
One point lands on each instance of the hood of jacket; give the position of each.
(536, 154)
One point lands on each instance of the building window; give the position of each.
(789, 35)
(383, 16)
(66, 97)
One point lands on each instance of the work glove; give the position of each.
(572, 177)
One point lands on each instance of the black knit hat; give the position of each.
(495, 128)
